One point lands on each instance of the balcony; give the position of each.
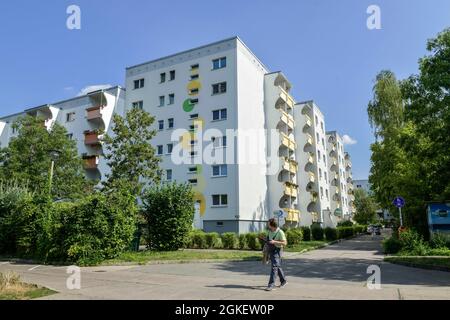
(348, 166)
(287, 142)
(94, 113)
(286, 98)
(308, 122)
(91, 162)
(292, 215)
(290, 189)
(311, 159)
(309, 140)
(312, 178)
(290, 165)
(349, 180)
(287, 119)
(92, 138)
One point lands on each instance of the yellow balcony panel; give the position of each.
(312, 177)
(287, 119)
(286, 98)
(288, 142)
(311, 159)
(292, 214)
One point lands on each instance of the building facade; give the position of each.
(229, 127)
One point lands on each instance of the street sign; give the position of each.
(399, 202)
(279, 213)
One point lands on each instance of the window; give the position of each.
(324, 159)
(321, 192)
(193, 116)
(194, 76)
(171, 123)
(70, 117)
(219, 114)
(171, 98)
(220, 170)
(195, 66)
(317, 120)
(193, 91)
(162, 101)
(219, 224)
(326, 177)
(159, 150)
(220, 200)
(169, 148)
(138, 105)
(320, 173)
(323, 142)
(318, 153)
(219, 63)
(219, 142)
(317, 137)
(192, 170)
(138, 84)
(161, 125)
(326, 193)
(69, 136)
(162, 77)
(219, 88)
(193, 181)
(172, 75)
(194, 101)
(321, 125)
(169, 175)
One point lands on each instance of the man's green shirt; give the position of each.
(277, 235)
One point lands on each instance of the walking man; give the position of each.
(276, 240)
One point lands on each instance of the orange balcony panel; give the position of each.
(90, 163)
(91, 138)
(94, 113)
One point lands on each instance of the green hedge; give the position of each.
(212, 239)
(294, 236)
(317, 232)
(229, 240)
(253, 242)
(391, 245)
(345, 232)
(242, 241)
(331, 234)
(306, 232)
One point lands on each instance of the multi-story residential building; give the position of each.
(349, 182)
(366, 186)
(86, 119)
(229, 127)
(313, 176)
(338, 176)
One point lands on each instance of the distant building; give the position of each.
(366, 186)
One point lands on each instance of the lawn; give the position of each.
(442, 263)
(144, 257)
(11, 288)
(306, 245)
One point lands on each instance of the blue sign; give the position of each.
(399, 202)
(279, 213)
(439, 217)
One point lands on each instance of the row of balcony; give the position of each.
(287, 142)
(292, 214)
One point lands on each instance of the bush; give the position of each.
(439, 252)
(262, 235)
(331, 234)
(229, 240)
(294, 237)
(242, 241)
(413, 243)
(317, 232)
(211, 239)
(252, 241)
(392, 245)
(169, 211)
(439, 241)
(306, 232)
(346, 223)
(199, 240)
(357, 229)
(345, 232)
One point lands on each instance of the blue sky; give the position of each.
(323, 46)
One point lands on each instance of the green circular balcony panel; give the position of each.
(188, 106)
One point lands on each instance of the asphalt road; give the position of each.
(335, 272)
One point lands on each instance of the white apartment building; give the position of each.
(86, 119)
(339, 169)
(313, 175)
(269, 153)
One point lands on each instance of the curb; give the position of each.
(419, 266)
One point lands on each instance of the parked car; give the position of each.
(377, 230)
(370, 229)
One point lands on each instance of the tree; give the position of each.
(130, 155)
(366, 209)
(169, 211)
(28, 157)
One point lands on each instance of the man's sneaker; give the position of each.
(283, 284)
(270, 288)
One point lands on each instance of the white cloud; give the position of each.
(96, 87)
(348, 140)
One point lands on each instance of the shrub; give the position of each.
(199, 240)
(413, 243)
(357, 229)
(169, 211)
(262, 235)
(439, 252)
(242, 241)
(306, 232)
(331, 234)
(229, 240)
(294, 237)
(439, 241)
(345, 232)
(391, 245)
(346, 223)
(252, 241)
(317, 232)
(218, 244)
(211, 239)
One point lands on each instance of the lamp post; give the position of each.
(54, 154)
